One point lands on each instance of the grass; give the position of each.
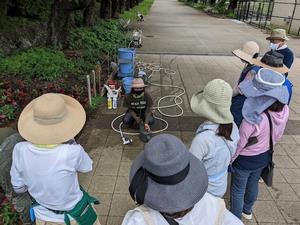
(144, 8)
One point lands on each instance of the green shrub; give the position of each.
(41, 63)
(103, 39)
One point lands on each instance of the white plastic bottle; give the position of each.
(115, 103)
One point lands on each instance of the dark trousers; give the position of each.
(129, 120)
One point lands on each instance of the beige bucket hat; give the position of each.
(51, 119)
(213, 103)
(138, 83)
(246, 53)
(277, 34)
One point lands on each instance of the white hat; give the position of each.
(213, 103)
(246, 53)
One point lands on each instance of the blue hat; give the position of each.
(261, 92)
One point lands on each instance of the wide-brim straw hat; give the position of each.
(271, 60)
(278, 34)
(213, 103)
(164, 156)
(51, 119)
(246, 53)
(138, 83)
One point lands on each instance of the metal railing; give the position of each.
(261, 14)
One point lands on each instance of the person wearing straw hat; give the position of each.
(216, 139)
(278, 40)
(46, 164)
(266, 97)
(271, 60)
(139, 104)
(249, 51)
(169, 184)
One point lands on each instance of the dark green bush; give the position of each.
(103, 39)
(41, 63)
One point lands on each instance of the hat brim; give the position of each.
(281, 70)
(280, 93)
(174, 198)
(139, 86)
(277, 38)
(58, 133)
(242, 55)
(210, 111)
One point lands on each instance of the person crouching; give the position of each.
(139, 104)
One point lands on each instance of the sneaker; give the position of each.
(247, 216)
(261, 180)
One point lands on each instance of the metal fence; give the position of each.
(269, 13)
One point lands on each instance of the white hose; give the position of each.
(154, 67)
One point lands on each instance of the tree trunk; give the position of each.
(127, 4)
(212, 2)
(132, 3)
(89, 14)
(122, 5)
(105, 10)
(58, 23)
(3, 10)
(232, 5)
(115, 9)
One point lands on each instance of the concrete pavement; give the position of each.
(189, 42)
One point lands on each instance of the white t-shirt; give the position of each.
(205, 212)
(50, 176)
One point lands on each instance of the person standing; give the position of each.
(216, 139)
(266, 103)
(47, 163)
(249, 51)
(278, 43)
(169, 184)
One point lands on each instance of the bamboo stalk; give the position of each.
(94, 83)
(88, 78)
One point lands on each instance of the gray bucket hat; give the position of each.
(166, 176)
(261, 92)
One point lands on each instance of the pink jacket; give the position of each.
(262, 132)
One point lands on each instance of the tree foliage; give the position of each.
(59, 14)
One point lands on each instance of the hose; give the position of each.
(152, 68)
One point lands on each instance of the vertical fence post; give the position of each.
(248, 9)
(261, 13)
(291, 21)
(258, 11)
(268, 14)
(253, 9)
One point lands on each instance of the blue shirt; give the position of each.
(288, 56)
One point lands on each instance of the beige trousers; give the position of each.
(73, 222)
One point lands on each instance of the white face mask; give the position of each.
(274, 46)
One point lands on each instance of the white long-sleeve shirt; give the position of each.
(50, 176)
(205, 212)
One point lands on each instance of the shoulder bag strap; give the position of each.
(271, 133)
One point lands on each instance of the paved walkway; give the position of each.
(198, 48)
